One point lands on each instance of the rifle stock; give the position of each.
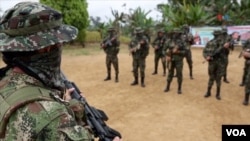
(95, 118)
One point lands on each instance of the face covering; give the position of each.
(45, 65)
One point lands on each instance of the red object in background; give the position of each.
(219, 17)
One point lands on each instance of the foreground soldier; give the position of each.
(139, 48)
(110, 46)
(213, 53)
(34, 105)
(175, 55)
(158, 45)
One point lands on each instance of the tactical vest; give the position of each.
(14, 99)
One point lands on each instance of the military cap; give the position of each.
(139, 30)
(217, 32)
(177, 30)
(185, 26)
(224, 29)
(111, 29)
(30, 26)
(161, 31)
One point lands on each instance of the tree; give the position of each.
(74, 13)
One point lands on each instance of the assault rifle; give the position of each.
(108, 42)
(214, 54)
(241, 53)
(95, 117)
(135, 48)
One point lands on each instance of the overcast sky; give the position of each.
(102, 8)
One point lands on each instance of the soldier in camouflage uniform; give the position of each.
(189, 39)
(246, 75)
(245, 47)
(34, 104)
(160, 53)
(110, 46)
(213, 53)
(229, 39)
(139, 48)
(175, 54)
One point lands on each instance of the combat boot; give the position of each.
(164, 69)
(191, 73)
(179, 88)
(135, 82)
(242, 84)
(116, 77)
(208, 93)
(245, 102)
(142, 82)
(155, 72)
(108, 77)
(218, 93)
(167, 87)
(225, 80)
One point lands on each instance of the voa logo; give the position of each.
(236, 132)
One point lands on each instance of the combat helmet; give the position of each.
(30, 26)
(217, 32)
(138, 30)
(111, 29)
(177, 31)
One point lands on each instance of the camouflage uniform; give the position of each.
(160, 53)
(139, 48)
(32, 89)
(246, 73)
(175, 53)
(110, 46)
(245, 47)
(216, 63)
(189, 39)
(226, 51)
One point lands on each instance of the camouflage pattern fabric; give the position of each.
(30, 26)
(159, 50)
(246, 70)
(111, 50)
(217, 64)
(188, 38)
(176, 59)
(139, 53)
(45, 120)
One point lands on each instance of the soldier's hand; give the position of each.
(246, 54)
(175, 50)
(208, 58)
(102, 46)
(226, 45)
(131, 50)
(117, 139)
(168, 58)
(67, 94)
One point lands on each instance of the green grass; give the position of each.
(89, 49)
(78, 50)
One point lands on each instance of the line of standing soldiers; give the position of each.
(172, 47)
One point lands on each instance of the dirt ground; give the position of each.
(148, 114)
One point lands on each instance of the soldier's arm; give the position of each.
(45, 120)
